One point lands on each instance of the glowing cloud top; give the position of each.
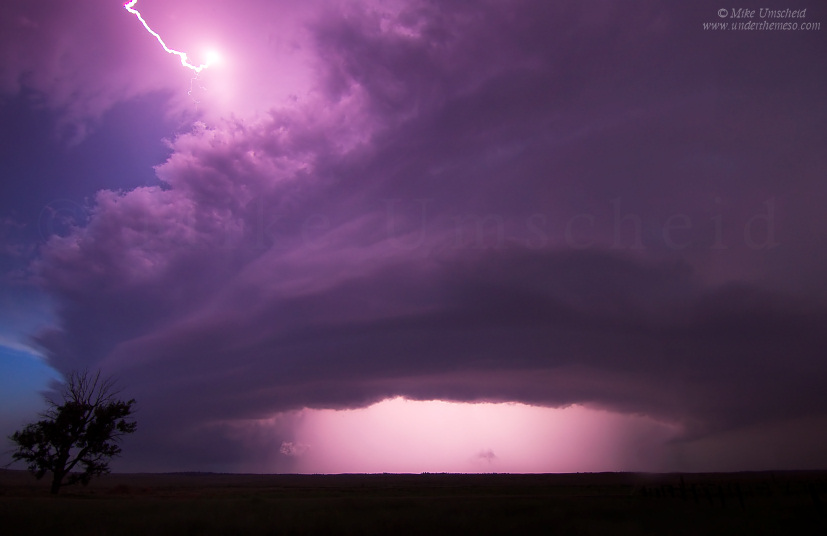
(211, 57)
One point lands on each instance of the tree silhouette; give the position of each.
(80, 432)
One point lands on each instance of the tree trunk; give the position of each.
(59, 470)
(56, 482)
(57, 479)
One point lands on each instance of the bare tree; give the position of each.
(80, 431)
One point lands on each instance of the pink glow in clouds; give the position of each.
(405, 436)
(86, 58)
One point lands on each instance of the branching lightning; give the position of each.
(183, 55)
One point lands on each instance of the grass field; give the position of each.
(593, 503)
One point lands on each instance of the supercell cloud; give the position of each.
(550, 203)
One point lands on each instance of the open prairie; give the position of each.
(589, 503)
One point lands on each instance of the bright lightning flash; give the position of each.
(211, 56)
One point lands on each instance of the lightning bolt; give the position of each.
(183, 55)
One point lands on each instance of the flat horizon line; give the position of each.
(429, 473)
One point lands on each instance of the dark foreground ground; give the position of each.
(596, 503)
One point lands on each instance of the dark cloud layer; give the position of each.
(553, 203)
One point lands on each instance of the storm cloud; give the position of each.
(551, 203)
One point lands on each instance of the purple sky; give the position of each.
(592, 205)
